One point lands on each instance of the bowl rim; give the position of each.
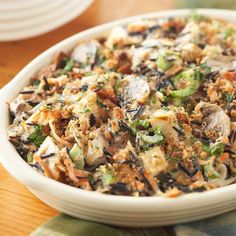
(17, 167)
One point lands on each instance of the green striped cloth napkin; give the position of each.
(63, 225)
(222, 4)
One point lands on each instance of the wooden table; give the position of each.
(20, 211)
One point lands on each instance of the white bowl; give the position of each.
(116, 210)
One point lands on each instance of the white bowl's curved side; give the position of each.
(117, 210)
(133, 219)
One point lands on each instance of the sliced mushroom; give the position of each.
(138, 56)
(119, 36)
(85, 53)
(191, 32)
(221, 63)
(137, 89)
(216, 118)
(95, 153)
(190, 52)
(102, 144)
(222, 180)
(15, 130)
(116, 36)
(153, 42)
(18, 105)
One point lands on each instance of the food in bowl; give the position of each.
(148, 110)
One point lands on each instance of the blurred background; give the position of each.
(28, 27)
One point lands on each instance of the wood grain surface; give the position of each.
(20, 211)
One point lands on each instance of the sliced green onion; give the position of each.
(206, 148)
(69, 65)
(76, 156)
(163, 64)
(217, 149)
(152, 139)
(108, 178)
(79, 164)
(30, 157)
(192, 84)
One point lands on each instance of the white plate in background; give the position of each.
(38, 24)
(22, 15)
(16, 5)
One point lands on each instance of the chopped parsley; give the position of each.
(100, 103)
(37, 137)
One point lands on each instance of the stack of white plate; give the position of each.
(20, 19)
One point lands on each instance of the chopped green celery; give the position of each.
(192, 84)
(69, 65)
(75, 151)
(163, 64)
(152, 139)
(108, 178)
(178, 101)
(30, 157)
(79, 164)
(206, 148)
(217, 149)
(76, 156)
(210, 172)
